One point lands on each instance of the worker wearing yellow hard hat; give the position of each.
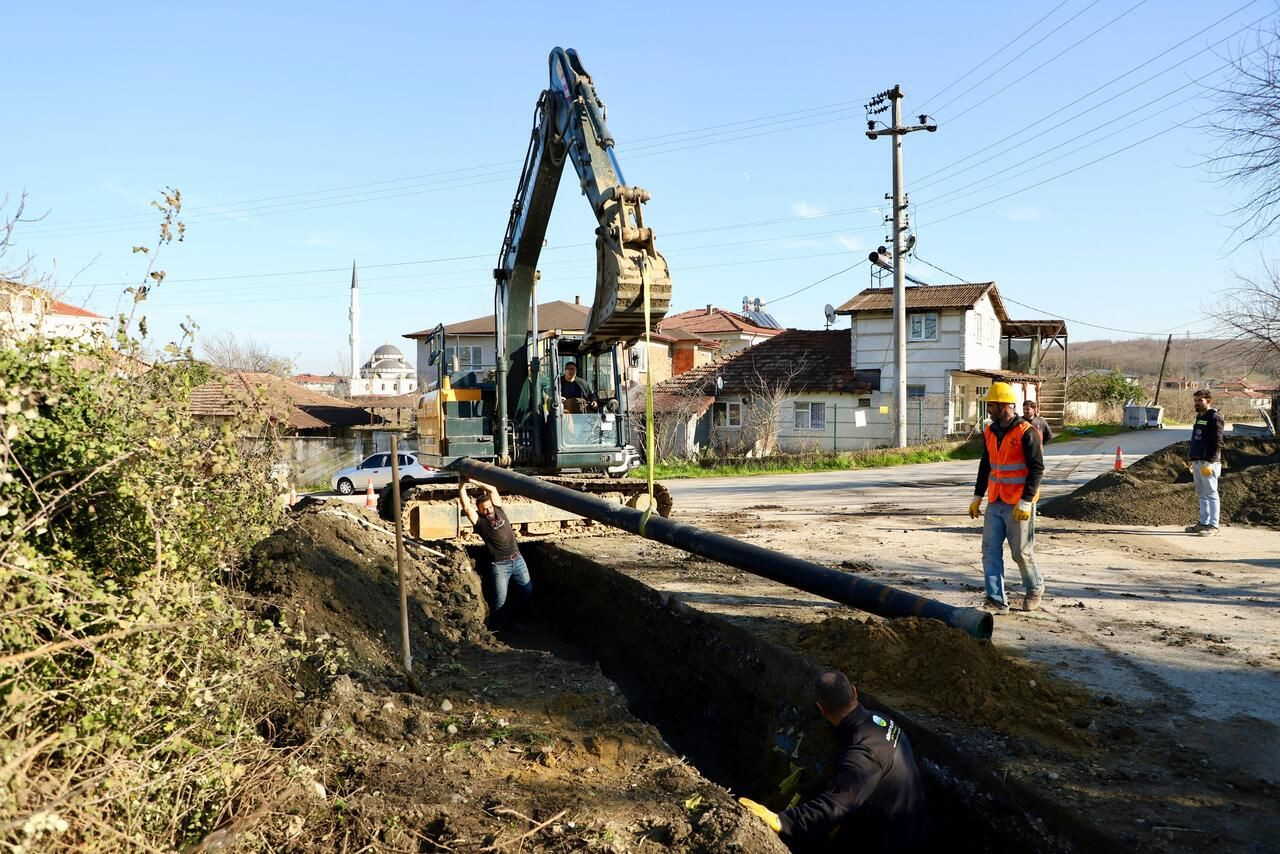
(1009, 474)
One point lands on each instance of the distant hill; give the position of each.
(1198, 359)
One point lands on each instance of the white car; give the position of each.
(377, 468)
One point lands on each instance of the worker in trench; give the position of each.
(876, 801)
(1010, 472)
(508, 573)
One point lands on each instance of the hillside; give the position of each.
(1199, 359)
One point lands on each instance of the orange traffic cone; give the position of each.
(368, 495)
(1119, 459)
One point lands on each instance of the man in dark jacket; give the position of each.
(1031, 414)
(1205, 454)
(877, 796)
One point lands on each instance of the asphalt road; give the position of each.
(935, 487)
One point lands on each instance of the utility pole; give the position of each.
(896, 132)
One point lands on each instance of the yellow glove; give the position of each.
(1206, 470)
(766, 815)
(975, 507)
(1022, 512)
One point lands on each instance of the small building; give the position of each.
(325, 384)
(26, 310)
(794, 392)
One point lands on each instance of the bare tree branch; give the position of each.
(229, 353)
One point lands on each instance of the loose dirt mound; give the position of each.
(1158, 489)
(925, 665)
(506, 749)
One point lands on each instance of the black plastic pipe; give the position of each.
(851, 590)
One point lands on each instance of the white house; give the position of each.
(27, 310)
(959, 340)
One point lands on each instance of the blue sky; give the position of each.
(305, 135)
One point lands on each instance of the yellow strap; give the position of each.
(648, 395)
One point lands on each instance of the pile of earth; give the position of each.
(498, 749)
(928, 666)
(1158, 489)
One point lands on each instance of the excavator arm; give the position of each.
(569, 123)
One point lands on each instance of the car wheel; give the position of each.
(345, 487)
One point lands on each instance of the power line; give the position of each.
(454, 179)
(487, 255)
(1053, 58)
(924, 180)
(1019, 56)
(1052, 313)
(815, 284)
(1006, 46)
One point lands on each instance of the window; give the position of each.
(915, 392)
(728, 415)
(922, 327)
(377, 461)
(810, 416)
(468, 357)
(980, 391)
(404, 460)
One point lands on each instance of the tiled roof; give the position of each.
(302, 408)
(315, 378)
(57, 306)
(801, 359)
(678, 333)
(689, 393)
(925, 297)
(718, 320)
(552, 315)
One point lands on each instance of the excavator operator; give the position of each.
(575, 392)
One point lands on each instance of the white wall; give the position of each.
(927, 361)
(840, 432)
(981, 337)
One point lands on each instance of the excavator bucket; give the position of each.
(625, 257)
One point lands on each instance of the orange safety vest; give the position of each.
(1008, 465)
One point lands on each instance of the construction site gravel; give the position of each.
(1138, 709)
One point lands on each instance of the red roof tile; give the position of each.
(552, 315)
(719, 320)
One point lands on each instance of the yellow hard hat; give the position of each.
(1001, 393)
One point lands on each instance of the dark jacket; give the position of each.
(1032, 450)
(1046, 432)
(1206, 437)
(877, 794)
(577, 387)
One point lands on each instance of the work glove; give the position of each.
(1206, 470)
(1022, 512)
(766, 815)
(975, 507)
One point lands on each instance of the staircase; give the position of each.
(1053, 402)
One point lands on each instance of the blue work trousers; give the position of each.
(509, 576)
(1207, 491)
(997, 528)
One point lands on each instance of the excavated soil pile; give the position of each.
(927, 666)
(505, 749)
(1158, 489)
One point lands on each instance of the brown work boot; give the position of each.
(1031, 601)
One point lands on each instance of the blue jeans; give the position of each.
(514, 575)
(1207, 491)
(997, 527)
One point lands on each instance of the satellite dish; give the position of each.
(911, 243)
(830, 312)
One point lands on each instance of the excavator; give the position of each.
(527, 415)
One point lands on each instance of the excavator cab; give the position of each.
(580, 413)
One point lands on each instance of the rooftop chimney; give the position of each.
(708, 308)
(577, 300)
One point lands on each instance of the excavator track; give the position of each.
(430, 511)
